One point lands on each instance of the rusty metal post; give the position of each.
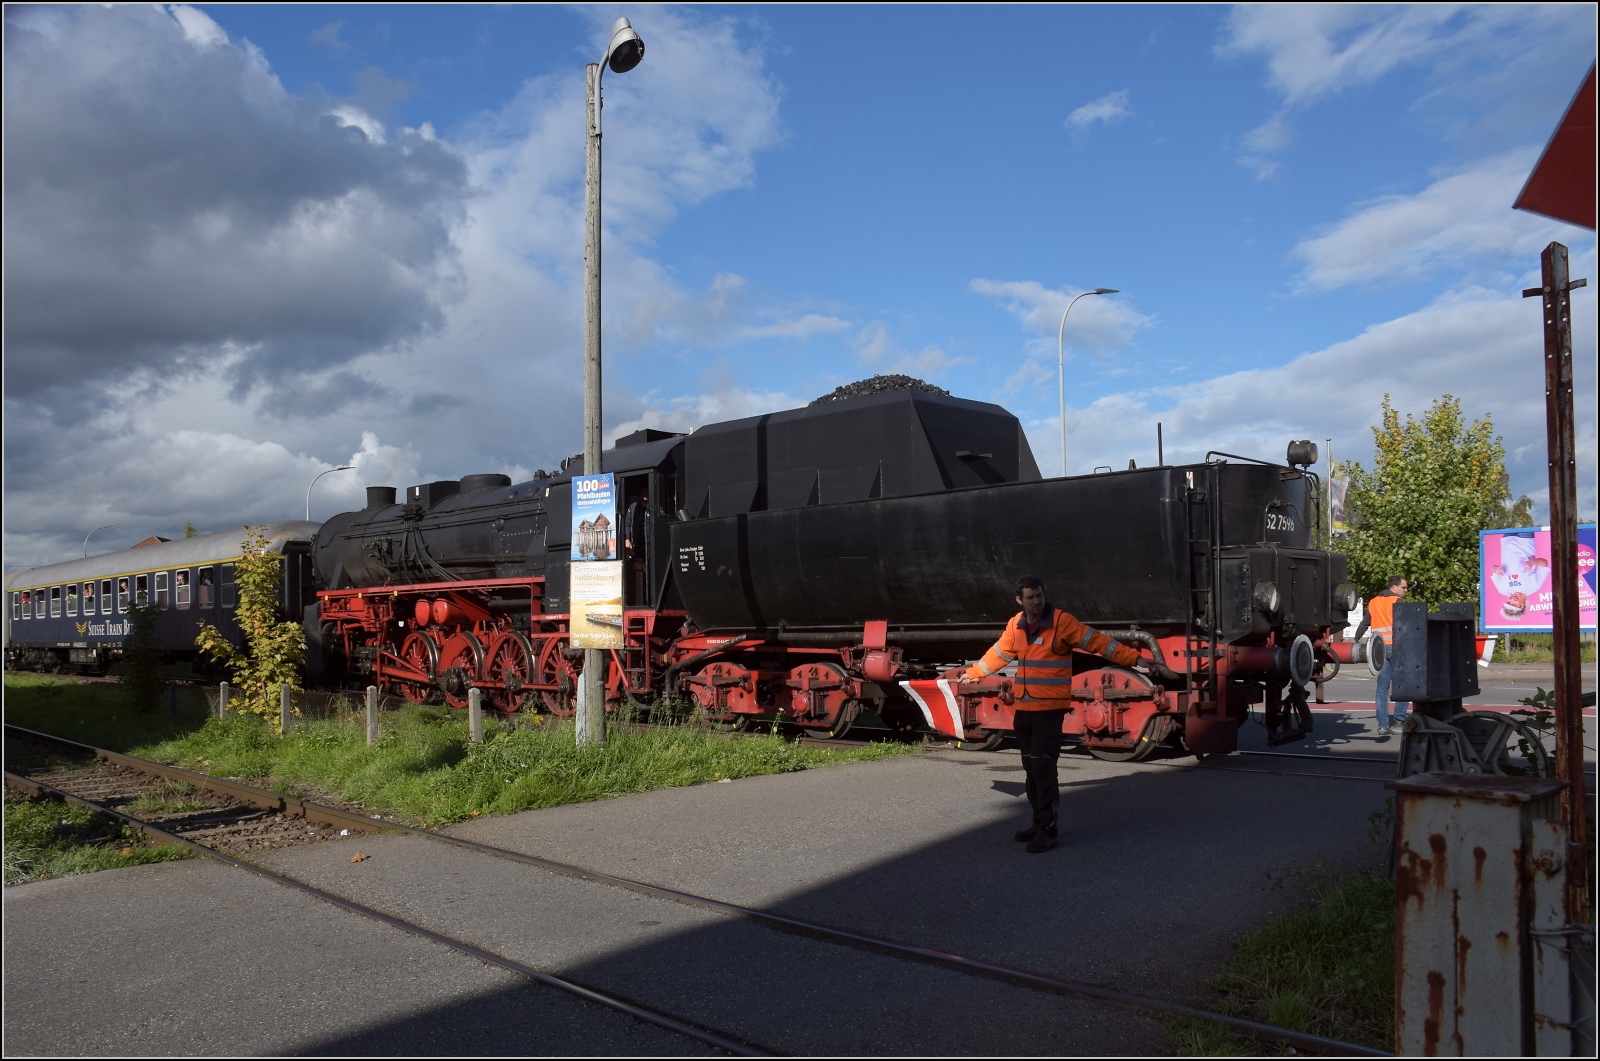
(1556, 293)
(1481, 945)
(372, 715)
(285, 710)
(222, 700)
(475, 715)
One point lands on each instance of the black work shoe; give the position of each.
(1040, 843)
(1024, 835)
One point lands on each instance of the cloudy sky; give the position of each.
(247, 244)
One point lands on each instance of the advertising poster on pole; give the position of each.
(1514, 569)
(594, 517)
(596, 604)
(1338, 526)
(595, 593)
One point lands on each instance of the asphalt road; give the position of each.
(1162, 866)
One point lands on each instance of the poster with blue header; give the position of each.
(594, 517)
(595, 589)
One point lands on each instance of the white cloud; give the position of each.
(799, 328)
(1316, 49)
(209, 217)
(1457, 221)
(1108, 109)
(356, 118)
(197, 26)
(417, 301)
(1501, 61)
(1480, 346)
(1099, 322)
(687, 412)
(877, 348)
(1271, 135)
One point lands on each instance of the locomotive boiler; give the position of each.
(820, 564)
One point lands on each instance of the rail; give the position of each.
(790, 925)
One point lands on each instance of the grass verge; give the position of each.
(1326, 969)
(423, 769)
(45, 838)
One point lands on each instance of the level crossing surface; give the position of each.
(1162, 866)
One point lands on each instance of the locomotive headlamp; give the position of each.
(1345, 594)
(1267, 598)
(626, 48)
(1303, 454)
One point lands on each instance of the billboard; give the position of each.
(1514, 580)
(595, 593)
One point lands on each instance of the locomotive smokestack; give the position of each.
(380, 496)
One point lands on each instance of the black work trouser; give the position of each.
(1038, 734)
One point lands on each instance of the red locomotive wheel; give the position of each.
(422, 654)
(554, 670)
(460, 664)
(511, 666)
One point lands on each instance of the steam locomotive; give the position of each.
(837, 562)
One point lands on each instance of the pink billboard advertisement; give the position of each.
(1514, 566)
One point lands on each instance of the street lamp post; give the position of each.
(1061, 365)
(623, 53)
(330, 471)
(92, 533)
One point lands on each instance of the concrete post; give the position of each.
(1481, 943)
(372, 715)
(285, 710)
(475, 715)
(222, 700)
(591, 714)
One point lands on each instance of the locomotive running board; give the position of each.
(938, 705)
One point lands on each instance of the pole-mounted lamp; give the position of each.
(92, 533)
(623, 53)
(330, 471)
(1061, 365)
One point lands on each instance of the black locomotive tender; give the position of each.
(827, 562)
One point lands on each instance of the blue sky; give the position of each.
(254, 242)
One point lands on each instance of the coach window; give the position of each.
(27, 605)
(204, 590)
(162, 600)
(105, 597)
(229, 590)
(72, 599)
(141, 588)
(55, 602)
(180, 587)
(88, 598)
(16, 606)
(123, 597)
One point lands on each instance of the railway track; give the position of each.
(115, 776)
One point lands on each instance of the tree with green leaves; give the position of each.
(190, 530)
(1435, 483)
(273, 650)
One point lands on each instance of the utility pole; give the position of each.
(1556, 292)
(623, 53)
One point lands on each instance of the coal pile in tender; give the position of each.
(880, 385)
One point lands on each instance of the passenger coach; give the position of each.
(76, 614)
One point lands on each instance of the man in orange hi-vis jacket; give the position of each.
(1380, 616)
(1040, 640)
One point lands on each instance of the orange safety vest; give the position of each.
(1043, 679)
(1380, 616)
